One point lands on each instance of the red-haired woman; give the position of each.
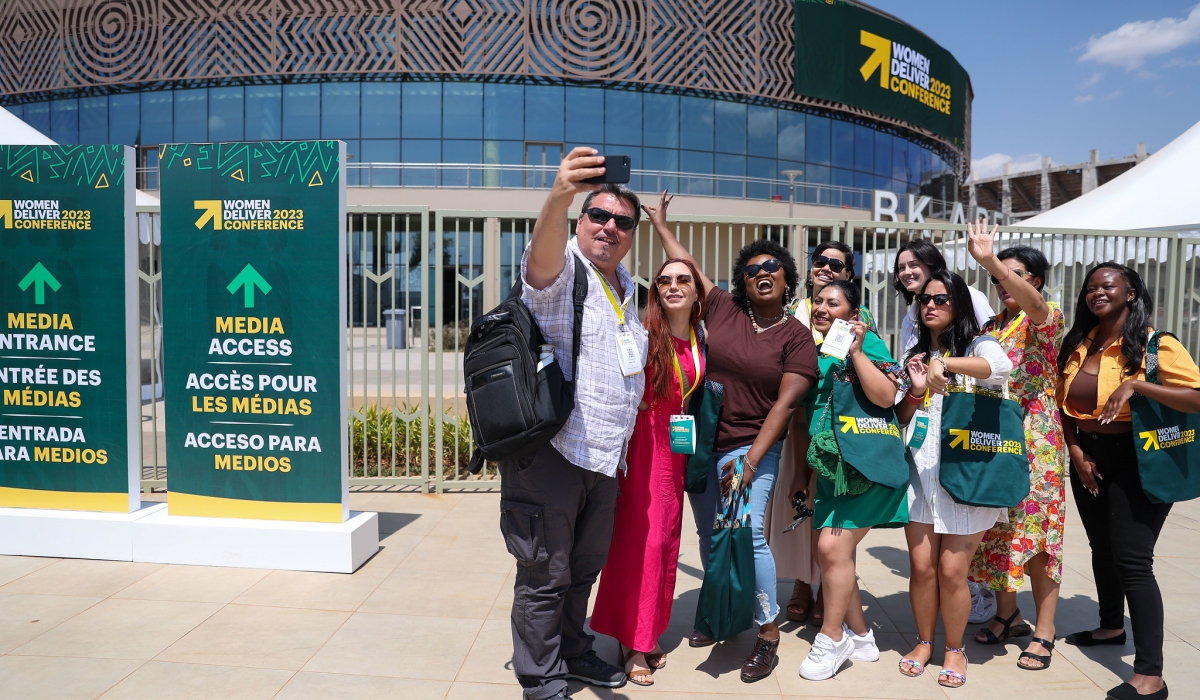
(637, 585)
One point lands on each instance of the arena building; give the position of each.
(709, 102)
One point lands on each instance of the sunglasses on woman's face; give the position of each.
(832, 263)
(1019, 273)
(601, 216)
(680, 280)
(937, 299)
(771, 265)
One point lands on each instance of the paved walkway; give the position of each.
(427, 618)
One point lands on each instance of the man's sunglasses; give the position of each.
(938, 299)
(832, 263)
(771, 265)
(681, 280)
(602, 216)
(1019, 273)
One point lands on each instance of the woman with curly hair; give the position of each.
(638, 583)
(767, 362)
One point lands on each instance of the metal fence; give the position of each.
(418, 277)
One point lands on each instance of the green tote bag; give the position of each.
(1167, 451)
(869, 438)
(705, 407)
(983, 447)
(726, 605)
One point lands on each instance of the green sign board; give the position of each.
(254, 320)
(70, 433)
(854, 55)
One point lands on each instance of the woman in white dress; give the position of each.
(943, 535)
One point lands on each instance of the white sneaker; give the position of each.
(983, 606)
(864, 646)
(826, 657)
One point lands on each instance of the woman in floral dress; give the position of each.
(1030, 330)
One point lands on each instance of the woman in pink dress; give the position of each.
(637, 585)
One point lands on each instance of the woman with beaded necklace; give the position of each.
(767, 362)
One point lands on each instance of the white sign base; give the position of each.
(257, 544)
(71, 534)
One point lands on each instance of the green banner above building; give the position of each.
(254, 282)
(853, 55)
(70, 431)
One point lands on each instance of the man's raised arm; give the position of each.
(548, 248)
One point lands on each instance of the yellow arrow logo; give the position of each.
(212, 212)
(1151, 438)
(849, 423)
(881, 57)
(6, 212)
(961, 437)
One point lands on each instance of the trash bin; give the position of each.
(397, 335)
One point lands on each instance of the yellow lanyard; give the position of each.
(1012, 327)
(612, 298)
(686, 392)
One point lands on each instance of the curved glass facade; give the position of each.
(509, 123)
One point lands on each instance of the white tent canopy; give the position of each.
(14, 132)
(1159, 193)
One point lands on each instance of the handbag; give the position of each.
(869, 438)
(825, 457)
(705, 407)
(1167, 452)
(984, 463)
(726, 604)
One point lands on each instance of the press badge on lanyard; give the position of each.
(683, 426)
(628, 356)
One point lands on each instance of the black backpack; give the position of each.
(515, 409)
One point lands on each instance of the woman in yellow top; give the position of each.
(1101, 364)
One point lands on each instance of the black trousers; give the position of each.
(557, 521)
(1122, 527)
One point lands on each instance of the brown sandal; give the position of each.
(801, 605)
(636, 676)
(657, 659)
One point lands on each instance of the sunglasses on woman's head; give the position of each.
(602, 216)
(1019, 273)
(681, 280)
(937, 299)
(771, 265)
(832, 263)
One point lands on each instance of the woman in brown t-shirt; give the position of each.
(767, 362)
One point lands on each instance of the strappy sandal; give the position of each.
(657, 659)
(915, 668)
(953, 679)
(1045, 660)
(1021, 630)
(643, 677)
(818, 610)
(795, 612)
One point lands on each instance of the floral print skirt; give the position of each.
(1036, 525)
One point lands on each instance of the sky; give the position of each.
(1060, 77)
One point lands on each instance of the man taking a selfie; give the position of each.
(557, 506)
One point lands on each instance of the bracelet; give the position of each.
(914, 400)
(749, 465)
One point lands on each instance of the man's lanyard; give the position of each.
(1012, 327)
(612, 298)
(684, 389)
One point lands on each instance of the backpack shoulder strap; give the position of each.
(578, 294)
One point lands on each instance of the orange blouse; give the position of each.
(1175, 368)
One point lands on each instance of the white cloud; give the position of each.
(1113, 95)
(993, 165)
(1129, 45)
(1181, 63)
(1084, 99)
(1092, 81)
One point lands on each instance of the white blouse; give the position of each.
(928, 502)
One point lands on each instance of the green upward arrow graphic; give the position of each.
(40, 276)
(248, 279)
